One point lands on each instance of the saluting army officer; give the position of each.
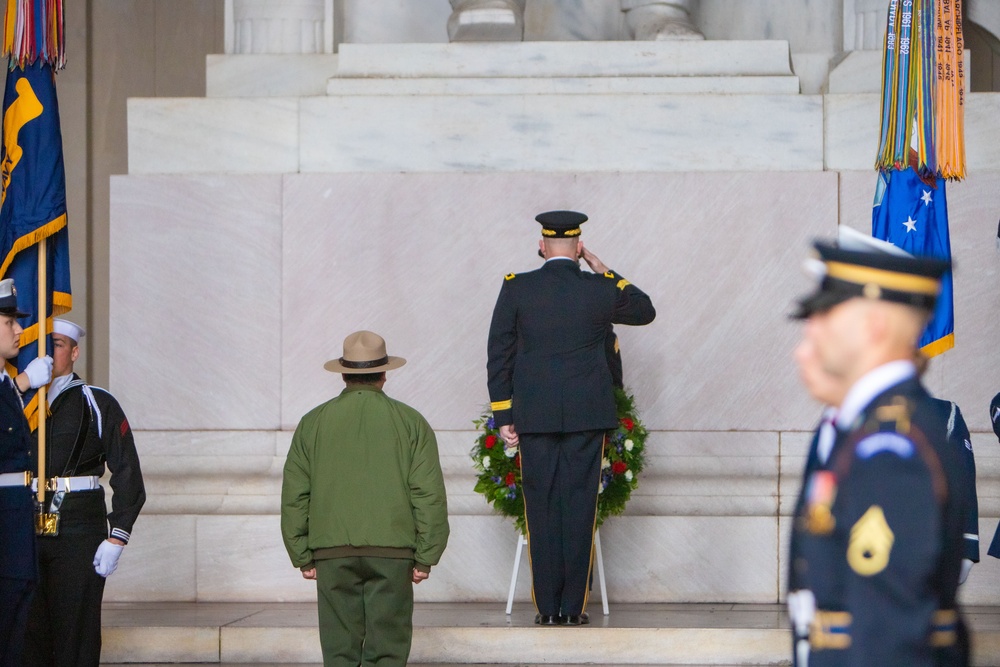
(87, 431)
(551, 393)
(877, 537)
(18, 565)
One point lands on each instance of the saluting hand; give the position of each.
(595, 264)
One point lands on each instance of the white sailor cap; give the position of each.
(67, 328)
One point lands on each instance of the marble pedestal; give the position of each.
(253, 233)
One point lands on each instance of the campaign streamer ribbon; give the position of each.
(923, 89)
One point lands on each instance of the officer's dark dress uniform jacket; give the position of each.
(18, 565)
(549, 376)
(65, 624)
(878, 539)
(547, 368)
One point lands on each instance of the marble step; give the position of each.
(626, 85)
(469, 133)
(485, 68)
(469, 633)
(566, 59)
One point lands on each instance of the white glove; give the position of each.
(966, 568)
(106, 558)
(801, 610)
(39, 371)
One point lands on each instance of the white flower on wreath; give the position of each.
(605, 463)
(486, 463)
(600, 488)
(628, 475)
(511, 452)
(629, 445)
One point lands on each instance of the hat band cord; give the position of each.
(364, 364)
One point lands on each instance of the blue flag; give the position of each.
(913, 216)
(33, 205)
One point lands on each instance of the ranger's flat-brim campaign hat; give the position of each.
(8, 299)
(561, 224)
(364, 352)
(858, 266)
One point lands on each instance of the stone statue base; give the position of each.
(503, 20)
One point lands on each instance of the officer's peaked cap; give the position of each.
(561, 224)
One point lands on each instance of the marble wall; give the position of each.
(244, 285)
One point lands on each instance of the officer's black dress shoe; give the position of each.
(573, 619)
(545, 619)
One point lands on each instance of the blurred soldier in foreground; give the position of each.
(877, 536)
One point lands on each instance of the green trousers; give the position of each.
(365, 611)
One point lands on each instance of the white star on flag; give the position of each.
(910, 224)
(926, 197)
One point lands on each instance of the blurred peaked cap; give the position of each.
(860, 266)
(561, 224)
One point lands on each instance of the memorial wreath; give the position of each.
(499, 469)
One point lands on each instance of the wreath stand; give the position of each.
(522, 542)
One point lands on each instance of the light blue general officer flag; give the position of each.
(913, 216)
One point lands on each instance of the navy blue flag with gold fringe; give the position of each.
(33, 204)
(913, 215)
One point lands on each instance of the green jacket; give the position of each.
(363, 476)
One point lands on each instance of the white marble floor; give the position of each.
(278, 634)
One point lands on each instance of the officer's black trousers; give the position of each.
(64, 627)
(15, 600)
(560, 474)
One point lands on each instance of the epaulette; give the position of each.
(895, 416)
(509, 276)
(622, 283)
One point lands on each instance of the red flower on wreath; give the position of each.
(490, 441)
(618, 467)
(510, 479)
(627, 423)
(517, 461)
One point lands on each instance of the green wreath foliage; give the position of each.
(499, 470)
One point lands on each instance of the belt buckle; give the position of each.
(52, 484)
(27, 478)
(46, 523)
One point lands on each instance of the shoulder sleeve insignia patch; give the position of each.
(894, 443)
(509, 276)
(622, 283)
(871, 543)
(968, 445)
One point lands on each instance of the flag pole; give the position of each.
(43, 275)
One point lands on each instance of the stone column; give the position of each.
(864, 24)
(279, 26)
